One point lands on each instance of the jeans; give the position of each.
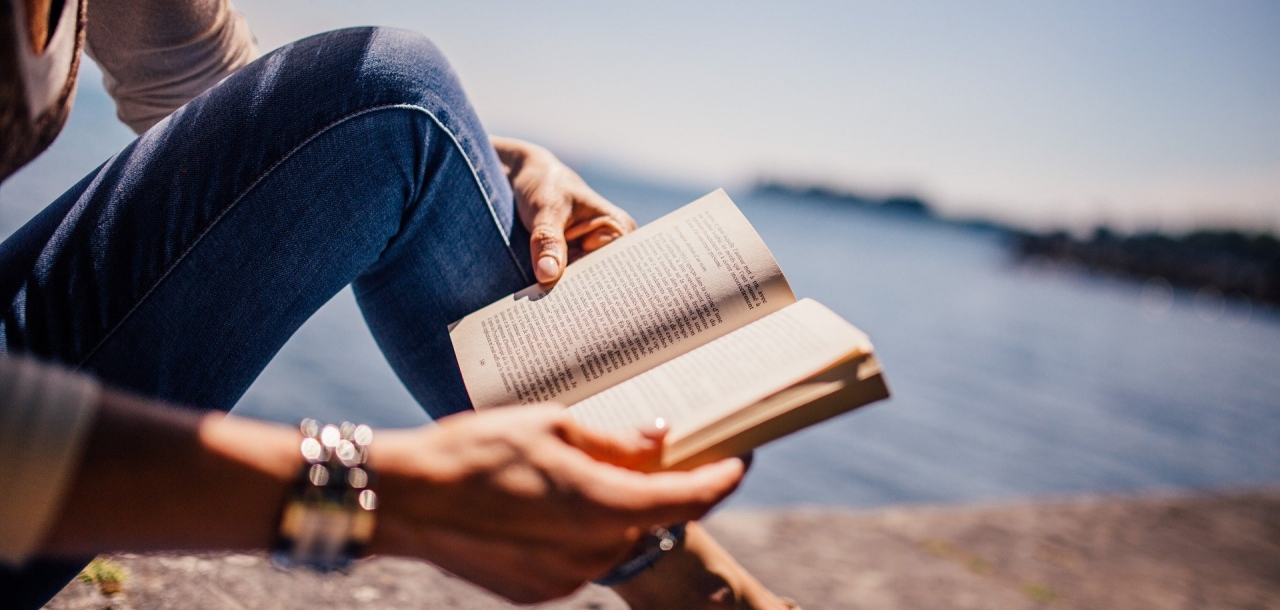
(179, 267)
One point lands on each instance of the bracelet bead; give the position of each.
(329, 516)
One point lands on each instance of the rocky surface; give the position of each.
(1200, 552)
(1229, 263)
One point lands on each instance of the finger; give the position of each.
(592, 200)
(607, 224)
(657, 429)
(628, 222)
(663, 497)
(599, 238)
(547, 245)
(575, 252)
(637, 449)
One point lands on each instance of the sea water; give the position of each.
(1009, 380)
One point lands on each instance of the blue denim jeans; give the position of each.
(179, 267)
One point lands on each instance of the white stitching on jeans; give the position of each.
(506, 239)
(475, 175)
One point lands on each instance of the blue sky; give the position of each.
(1135, 114)
(1140, 114)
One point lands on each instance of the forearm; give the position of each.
(154, 477)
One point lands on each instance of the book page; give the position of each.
(679, 282)
(711, 382)
(852, 383)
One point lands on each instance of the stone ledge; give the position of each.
(1125, 553)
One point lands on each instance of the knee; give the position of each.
(403, 66)
(346, 78)
(357, 68)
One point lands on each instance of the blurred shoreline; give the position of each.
(1206, 550)
(1221, 265)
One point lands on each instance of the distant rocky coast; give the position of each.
(1231, 264)
(1234, 263)
(898, 204)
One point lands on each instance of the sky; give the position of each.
(1139, 114)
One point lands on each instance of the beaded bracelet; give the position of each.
(329, 516)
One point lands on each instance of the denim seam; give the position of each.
(506, 239)
(493, 213)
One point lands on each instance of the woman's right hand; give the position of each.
(527, 503)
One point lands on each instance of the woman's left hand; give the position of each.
(564, 216)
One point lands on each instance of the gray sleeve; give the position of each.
(45, 413)
(156, 55)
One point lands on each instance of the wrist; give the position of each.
(329, 517)
(648, 551)
(270, 450)
(258, 459)
(408, 481)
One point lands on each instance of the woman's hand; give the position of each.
(564, 216)
(525, 502)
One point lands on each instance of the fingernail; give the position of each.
(606, 238)
(656, 429)
(548, 267)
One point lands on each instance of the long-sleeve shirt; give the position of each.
(45, 413)
(156, 55)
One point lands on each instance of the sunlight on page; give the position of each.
(741, 368)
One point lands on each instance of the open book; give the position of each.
(688, 318)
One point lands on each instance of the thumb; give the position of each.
(547, 246)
